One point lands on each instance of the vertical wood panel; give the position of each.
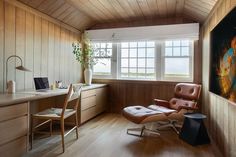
(20, 47)
(44, 60)
(56, 52)
(62, 55)
(39, 43)
(232, 127)
(225, 109)
(37, 46)
(2, 66)
(71, 57)
(29, 50)
(51, 52)
(66, 58)
(10, 40)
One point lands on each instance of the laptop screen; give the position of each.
(41, 83)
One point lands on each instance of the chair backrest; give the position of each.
(73, 94)
(185, 94)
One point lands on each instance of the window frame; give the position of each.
(159, 62)
(119, 61)
(111, 58)
(191, 63)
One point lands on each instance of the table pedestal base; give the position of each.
(194, 132)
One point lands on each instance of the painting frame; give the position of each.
(222, 79)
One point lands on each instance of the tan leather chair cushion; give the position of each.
(187, 91)
(138, 114)
(175, 103)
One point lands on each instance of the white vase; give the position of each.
(11, 86)
(88, 76)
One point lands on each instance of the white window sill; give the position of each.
(139, 80)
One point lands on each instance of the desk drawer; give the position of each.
(13, 129)
(87, 93)
(88, 114)
(13, 111)
(88, 102)
(15, 148)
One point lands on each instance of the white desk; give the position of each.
(29, 95)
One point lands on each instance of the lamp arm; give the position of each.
(7, 64)
(14, 56)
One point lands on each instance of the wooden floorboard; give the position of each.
(105, 136)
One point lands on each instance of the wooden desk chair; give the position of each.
(59, 114)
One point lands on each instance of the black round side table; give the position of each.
(194, 131)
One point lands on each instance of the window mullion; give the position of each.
(119, 60)
(114, 61)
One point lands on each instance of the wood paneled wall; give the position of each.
(220, 112)
(44, 46)
(124, 93)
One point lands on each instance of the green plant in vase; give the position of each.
(84, 53)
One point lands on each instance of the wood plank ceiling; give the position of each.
(83, 14)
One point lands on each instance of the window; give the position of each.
(170, 60)
(103, 55)
(177, 60)
(137, 60)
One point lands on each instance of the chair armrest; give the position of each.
(163, 103)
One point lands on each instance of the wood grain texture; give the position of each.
(10, 129)
(221, 113)
(2, 65)
(10, 40)
(105, 136)
(20, 146)
(126, 93)
(132, 10)
(29, 49)
(14, 111)
(20, 45)
(83, 14)
(62, 11)
(146, 22)
(44, 47)
(36, 12)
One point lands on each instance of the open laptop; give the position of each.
(41, 84)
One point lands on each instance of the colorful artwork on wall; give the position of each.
(223, 58)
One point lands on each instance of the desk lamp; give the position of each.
(21, 68)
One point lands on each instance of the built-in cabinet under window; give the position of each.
(93, 102)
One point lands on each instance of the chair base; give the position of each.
(170, 124)
(141, 130)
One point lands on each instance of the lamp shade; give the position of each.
(22, 68)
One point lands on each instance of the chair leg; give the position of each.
(51, 128)
(171, 124)
(136, 129)
(141, 130)
(76, 123)
(32, 132)
(175, 126)
(62, 135)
